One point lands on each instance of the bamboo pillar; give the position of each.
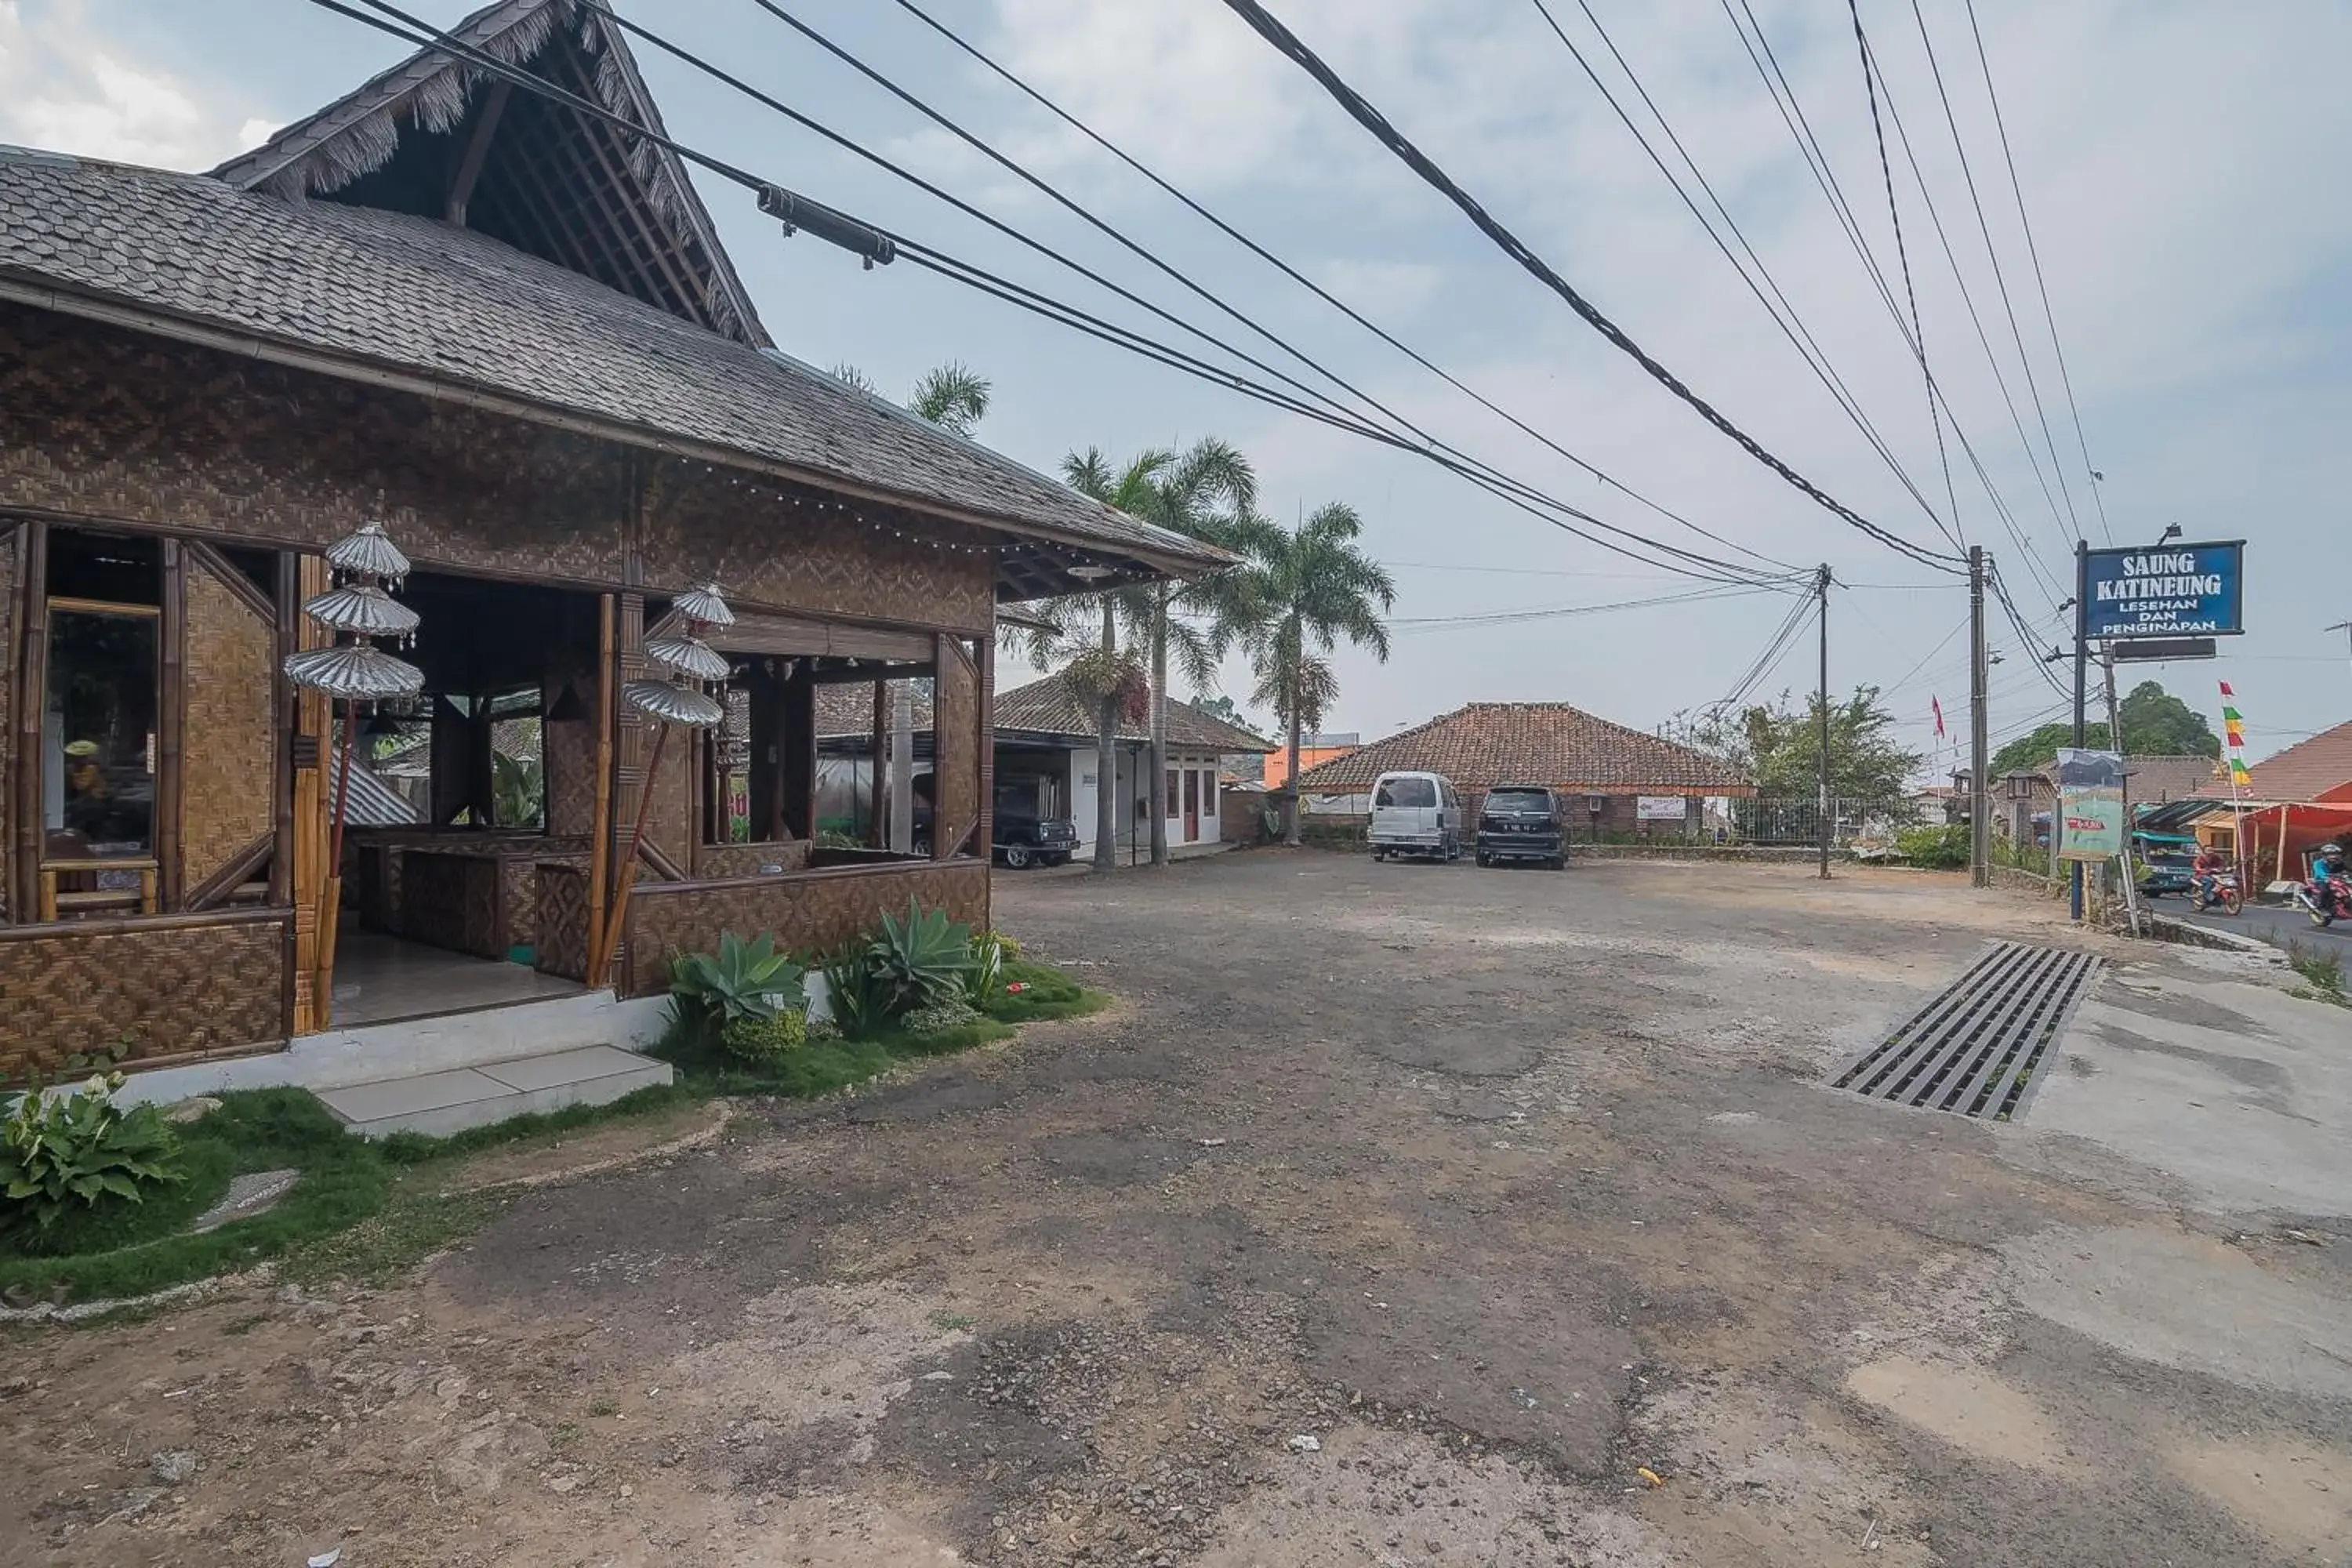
(600, 851)
(314, 961)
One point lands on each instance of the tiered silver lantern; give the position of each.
(352, 670)
(681, 701)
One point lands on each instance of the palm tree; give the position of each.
(952, 396)
(1303, 590)
(1207, 492)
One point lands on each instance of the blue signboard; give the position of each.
(2164, 591)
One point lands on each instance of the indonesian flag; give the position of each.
(2239, 776)
(1935, 706)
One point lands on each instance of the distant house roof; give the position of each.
(1049, 707)
(341, 247)
(2158, 779)
(2318, 769)
(1489, 743)
(1046, 708)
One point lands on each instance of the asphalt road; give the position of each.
(2266, 922)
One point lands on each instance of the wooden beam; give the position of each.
(880, 798)
(32, 702)
(477, 147)
(600, 843)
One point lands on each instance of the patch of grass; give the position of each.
(376, 1250)
(411, 1148)
(343, 1180)
(953, 1321)
(1047, 994)
(2323, 973)
(205, 1165)
(604, 1405)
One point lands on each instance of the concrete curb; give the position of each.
(2164, 928)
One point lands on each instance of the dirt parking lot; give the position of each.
(1396, 1216)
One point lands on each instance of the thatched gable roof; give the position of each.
(437, 138)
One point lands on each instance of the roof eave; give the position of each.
(43, 293)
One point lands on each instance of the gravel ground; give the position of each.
(1397, 1215)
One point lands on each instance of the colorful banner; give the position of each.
(2090, 805)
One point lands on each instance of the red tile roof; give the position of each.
(2158, 779)
(2309, 770)
(1489, 743)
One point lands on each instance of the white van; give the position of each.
(1416, 814)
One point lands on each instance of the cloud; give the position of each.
(61, 90)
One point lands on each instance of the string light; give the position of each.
(844, 508)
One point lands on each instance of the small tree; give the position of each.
(1779, 745)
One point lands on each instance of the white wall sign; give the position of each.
(1659, 808)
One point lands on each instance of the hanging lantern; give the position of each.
(352, 672)
(689, 656)
(704, 604)
(673, 703)
(361, 608)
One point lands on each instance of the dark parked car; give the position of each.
(1024, 838)
(1522, 822)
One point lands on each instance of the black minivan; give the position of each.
(1522, 822)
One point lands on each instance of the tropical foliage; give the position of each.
(64, 1151)
(1779, 745)
(920, 960)
(1299, 593)
(2155, 724)
(742, 979)
(952, 396)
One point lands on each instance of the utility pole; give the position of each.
(2116, 742)
(2082, 683)
(1980, 806)
(1829, 823)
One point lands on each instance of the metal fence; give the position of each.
(1768, 821)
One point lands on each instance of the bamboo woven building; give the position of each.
(507, 330)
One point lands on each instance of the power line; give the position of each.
(419, 32)
(2041, 283)
(1784, 315)
(1800, 127)
(1288, 44)
(1303, 280)
(1562, 612)
(2001, 280)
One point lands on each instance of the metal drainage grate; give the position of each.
(1976, 1047)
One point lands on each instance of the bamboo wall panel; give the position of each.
(568, 750)
(228, 734)
(164, 990)
(669, 826)
(10, 627)
(722, 860)
(819, 913)
(955, 708)
(562, 919)
(107, 423)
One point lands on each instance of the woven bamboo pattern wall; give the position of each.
(818, 912)
(562, 919)
(228, 745)
(165, 988)
(722, 860)
(9, 544)
(104, 422)
(568, 751)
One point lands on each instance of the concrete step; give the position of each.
(439, 1103)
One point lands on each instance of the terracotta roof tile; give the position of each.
(1489, 743)
(2307, 770)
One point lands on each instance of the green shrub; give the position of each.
(939, 1016)
(854, 992)
(741, 979)
(920, 960)
(60, 1154)
(1010, 946)
(987, 971)
(761, 1040)
(1943, 848)
(820, 1031)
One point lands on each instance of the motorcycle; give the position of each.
(2335, 906)
(2221, 889)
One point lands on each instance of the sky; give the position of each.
(2177, 161)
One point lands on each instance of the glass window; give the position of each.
(1174, 806)
(1406, 793)
(1519, 803)
(99, 735)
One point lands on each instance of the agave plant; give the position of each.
(853, 991)
(741, 979)
(922, 959)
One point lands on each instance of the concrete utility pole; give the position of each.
(2115, 743)
(1828, 823)
(2082, 685)
(1980, 806)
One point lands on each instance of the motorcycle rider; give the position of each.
(2326, 864)
(2206, 871)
